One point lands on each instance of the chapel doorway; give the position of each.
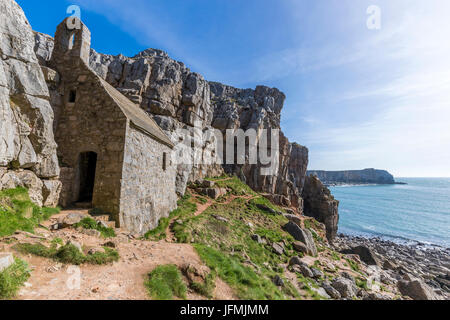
(88, 164)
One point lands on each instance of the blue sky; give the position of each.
(357, 98)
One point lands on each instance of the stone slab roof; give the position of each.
(136, 115)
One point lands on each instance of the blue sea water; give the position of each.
(418, 211)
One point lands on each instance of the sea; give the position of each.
(418, 212)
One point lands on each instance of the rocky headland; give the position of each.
(354, 177)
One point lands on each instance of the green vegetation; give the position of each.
(335, 256)
(12, 278)
(165, 282)
(248, 284)
(227, 248)
(362, 283)
(237, 187)
(353, 264)
(68, 254)
(186, 208)
(207, 287)
(89, 223)
(17, 212)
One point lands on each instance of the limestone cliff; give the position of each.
(27, 146)
(366, 176)
(180, 99)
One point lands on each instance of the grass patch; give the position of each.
(185, 208)
(248, 284)
(353, 264)
(68, 254)
(165, 282)
(89, 223)
(17, 212)
(207, 287)
(12, 278)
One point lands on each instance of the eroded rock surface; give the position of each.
(27, 145)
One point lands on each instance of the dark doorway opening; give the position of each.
(88, 164)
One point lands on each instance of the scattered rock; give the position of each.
(195, 273)
(96, 250)
(366, 254)
(6, 260)
(295, 261)
(294, 218)
(220, 218)
(332, 292)
(76, 245)
(278, 281)
(257, 238)
(302, 235)
(265, 208)
(300, 247)
(416, 289)
(321, 292)
(317, 274)
(92, 233)
(110, 244)
(306, 271)
(278, 248)
(71, 219)
(344, 287)
(208, 184)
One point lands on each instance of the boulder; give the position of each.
(317, 274)
(294, 218)
(6, 260)
(263, 207)
(295, 261)
(72, 218)
(365, 253)
(278, 248)
(332, 292)
(345, 287)
(302, 235)
(300, 247)
(306, 272)
(51, 190)
(278, 281)
(416, 289)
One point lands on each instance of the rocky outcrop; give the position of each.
(320, 204)
(366, 176)
(27, 146)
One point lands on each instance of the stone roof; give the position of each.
(136, 115)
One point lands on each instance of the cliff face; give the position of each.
(182, 101)
(321, 205)
(27, 146)
(366, 176)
